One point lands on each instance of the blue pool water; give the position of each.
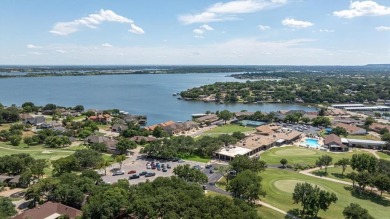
(251, 123)
(312, 142)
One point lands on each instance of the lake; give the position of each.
(146, 94)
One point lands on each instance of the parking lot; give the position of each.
(300, 127)
(138, 164)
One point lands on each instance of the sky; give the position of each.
(194, 32)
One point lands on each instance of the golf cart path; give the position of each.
(372, 152)
(308, 173)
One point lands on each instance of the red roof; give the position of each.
(332, 138)
(49, 209)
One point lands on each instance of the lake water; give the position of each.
(149, 94)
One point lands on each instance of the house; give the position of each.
(211, 118)
(336, 112)
(162, 125)
(351, 129)
(119, 128)
(179, 127)
(49, 210)
(106, 118)
(346, 120)
(32, 120)
(110, 143)
(139, 139)
(334, 143)
(376, 127)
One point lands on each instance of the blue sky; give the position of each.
(238, 32)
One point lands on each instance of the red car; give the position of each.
(132, 172)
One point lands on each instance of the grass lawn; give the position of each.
(221, 183)
(197, 159)
(383, 155)
(335, 173)
(264, 212)
(5, 127)
(279, 185)
(302, 155)
(109, 157)
(228, 129)
(364, 137)
(75, 148)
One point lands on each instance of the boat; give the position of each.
(174, 94)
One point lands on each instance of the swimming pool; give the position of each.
(311, 142)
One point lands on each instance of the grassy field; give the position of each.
(301, 155)
(197, 159)
(279, 185)
(264, 212)
(364, 137)
(228, 129)
(383, 155)
(335, 173)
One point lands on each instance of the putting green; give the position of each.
(295, 151)
(289, 185)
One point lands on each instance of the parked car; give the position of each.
(116, 173)
(115, 170)
(168, 166)
(132, 171)
(164, 170)
(211, 171)
(148, 167)
(180, 161)
(150, 174)
(158, 168)
(143, 173)
(162, 165)
(204, 187)
(135, 176)
(153, 167)
(208, 166)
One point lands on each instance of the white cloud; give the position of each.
(199, 36)
(363, 8)
(222, 11)
(326, 31)
(382, 28)
(36, 53)
(92, 21)
(106, 45)
(60, 51)
(31, 46)
(198, 31)
(264, 27)
(201, 30)
(297, 24)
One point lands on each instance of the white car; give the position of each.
(148, 166)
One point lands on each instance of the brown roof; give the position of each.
(332, 138)
(378, 127)
(48, 209)
(349, 128)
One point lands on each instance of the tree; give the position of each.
(15, 140)
(120, 158)
(283, 161)
(363, 179)
(28, 140)
(238, 135)
(246, 185)
(362, 162)
(340, 131)
(352, 176)
(100, 147)
(103, 165)
(38, 167)
(190, 174)
(321, 121)
(312, 199)
(227, 139)
(50, 106)
(224, 171)
(7, 209)
(65, 165)
(225, 115)
(355, 211)
(369, 120)
(88, 158)
(68, 195)
(241, 163)
(159, 132)
(322, 112)
(344, 162)
(382, 182)
(324, 160)
(125, 144)
(386, 137)
(79, 108)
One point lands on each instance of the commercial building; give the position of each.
(342, 106)
(363, 143)
(368, 108)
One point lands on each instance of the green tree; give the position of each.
(65, 165)
(324, 160)
(224, 171)
(283, 161)
(246, 185)
(103, 165)
(6, 207)
(369, 120)
(28, 140)
(352, 176)
(190, 174)
(38, 167)
(363, 179)
(312, 199)
(159, 132)
(382, 182)
(321, 121)
(15, 140)
(362, 162)
(225, 115)
(68, 195)
(120, 158)
(125, 144)
(100, 147)
(344, 162)
(241, 163)
(238, 135)
(79, 108)
(355, 211)
(340, 131)
(88, 158)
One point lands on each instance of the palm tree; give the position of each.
(120, 159)
(103, 165)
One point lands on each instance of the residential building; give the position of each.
(32, 120)
(376, 127)
(351, 129)
(333, 143)
(49, 210)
